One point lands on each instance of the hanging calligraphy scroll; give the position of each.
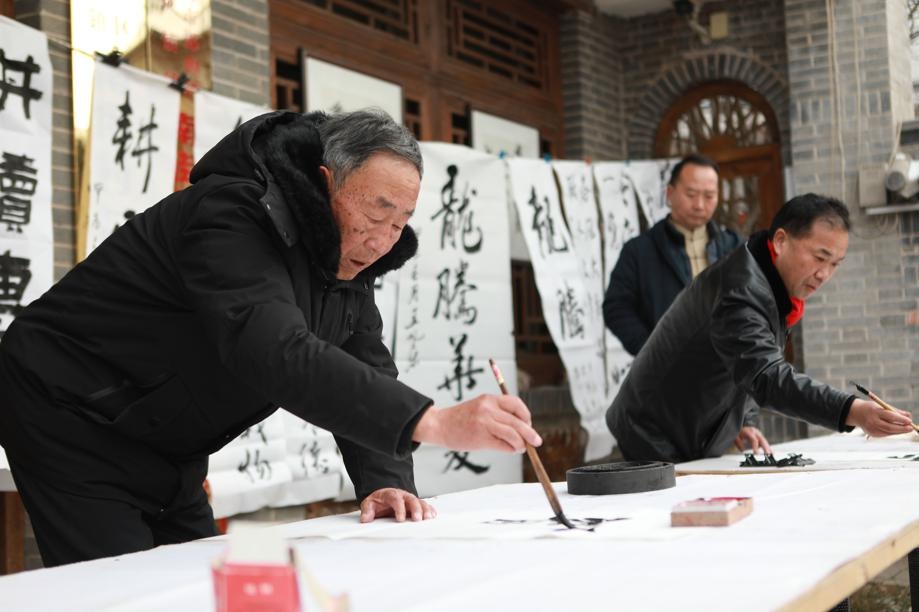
(133, 141)
(282, 461)
(454, 310)
(216, 116)
(648, 181)
(579, 201)
(562, 291)
(335, 89)
(26, 234)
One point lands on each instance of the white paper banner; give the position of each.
(26, 234)
(580, 204)
(562, 290)
(648, 180)
(133, 140)
(216, 116)
(454, 308)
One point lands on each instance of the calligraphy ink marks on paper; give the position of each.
(145, 136)
(793, 460)
(413, 328)
(459, 460)
(23, 89)
(18, 181)
(462, 369)
(451, 297)
(457, 220)
(908, 457)
(542, 223)
(311, 459)
(143, 146)
(255, 466)
(256, 431)
(14, 278)
(123, 135)
(570, 313)
(553, 523)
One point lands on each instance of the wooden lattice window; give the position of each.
(498, 41)
(412, 117)
(396, 17)
(288, 77)
(736, 126)
(721, 116)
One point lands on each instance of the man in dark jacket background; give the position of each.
(248, 291)
(655, 266)
(722, 342)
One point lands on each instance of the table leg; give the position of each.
(12, 530)
(912, 560)
(842, 606)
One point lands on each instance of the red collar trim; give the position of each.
(797, 304)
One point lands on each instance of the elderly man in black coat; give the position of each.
(718, 352)
(249, 291)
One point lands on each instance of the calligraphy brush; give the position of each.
(879, 401)
(537, 464)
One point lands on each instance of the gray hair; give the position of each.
(350, 139)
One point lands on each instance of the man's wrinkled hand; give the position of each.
(492, 422)
(754, 438)
(396, 503)
(876, 421)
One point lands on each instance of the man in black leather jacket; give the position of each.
(717, 353)
(250, 290)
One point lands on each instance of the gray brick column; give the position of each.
(53, 18)
(240, 58)
(849, 80)
(592, 86)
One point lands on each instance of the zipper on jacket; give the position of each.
(349, 324)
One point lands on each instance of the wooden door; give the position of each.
(737, 128)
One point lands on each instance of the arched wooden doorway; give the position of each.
(736, 127)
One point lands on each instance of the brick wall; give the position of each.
(662, 58)
(53, 17)
(592, 85)
(240, 58)
(844, 114)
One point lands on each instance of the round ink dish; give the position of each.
(620, 477)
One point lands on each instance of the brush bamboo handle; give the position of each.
(544, 479)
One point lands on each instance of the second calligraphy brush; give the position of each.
(537, 464)
(879, 401)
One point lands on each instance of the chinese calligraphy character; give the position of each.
(310, 459)
(457, 219)
(544, 226)
(454, 298)
(17, 184)
(256, 431)
(149, 149)
(24, 90)
(570, 313)
(14, 278)
(123, 132)
(255, 467)
(458, 460)
(462, 368)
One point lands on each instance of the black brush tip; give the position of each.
(859, 387)
(561, 518)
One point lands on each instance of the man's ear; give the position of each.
(669, 192)
(779, 241)
(327, 177)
